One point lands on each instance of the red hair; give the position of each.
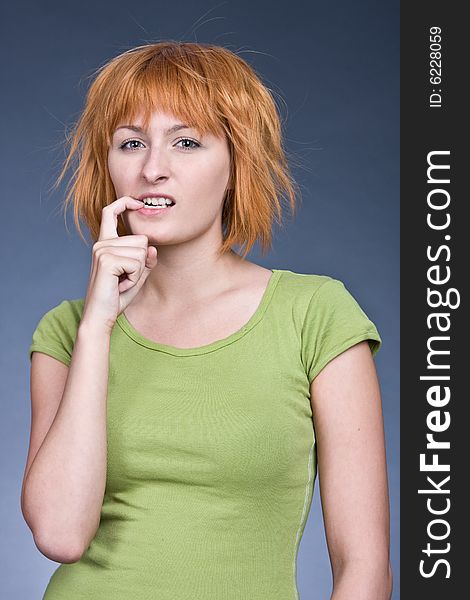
(215, 91)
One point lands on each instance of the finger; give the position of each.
(109, 222)
(132, 289)
(127, 269)
(137, 241)
(129, 251)
(151, 258)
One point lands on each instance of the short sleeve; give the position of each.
(334, 322)
(56, 332)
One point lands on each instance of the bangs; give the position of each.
(174, 83)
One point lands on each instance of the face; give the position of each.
(170, 158)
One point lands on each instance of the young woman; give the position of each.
(181, 409)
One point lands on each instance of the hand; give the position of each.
(120, 266)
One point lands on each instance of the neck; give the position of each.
(178, 278)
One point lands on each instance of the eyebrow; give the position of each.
(169, 131)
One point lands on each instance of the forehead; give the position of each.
(164, 124)
(158, 120)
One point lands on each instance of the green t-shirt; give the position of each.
(211, 450)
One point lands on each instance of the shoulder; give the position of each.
(304, 286)
(67, 312)
(56, 331)
(305, 298)
(331, 319)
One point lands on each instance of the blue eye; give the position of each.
(124, 144)
(188, 147)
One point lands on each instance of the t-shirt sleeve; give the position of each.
(56, 332)
(334, 322)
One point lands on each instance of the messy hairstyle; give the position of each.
(216, 92)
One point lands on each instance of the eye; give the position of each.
(124, 146)
(187, 147)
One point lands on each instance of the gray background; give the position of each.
(336, 67)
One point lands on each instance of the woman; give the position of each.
(180, 410)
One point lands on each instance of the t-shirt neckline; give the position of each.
(168, 349)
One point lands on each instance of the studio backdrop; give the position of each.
(334, 71)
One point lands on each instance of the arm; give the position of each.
(65, 475)
(347, 413)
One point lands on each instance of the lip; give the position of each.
(154, 212)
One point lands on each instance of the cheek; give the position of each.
(212, 179)
(118, 173)
(112, 168)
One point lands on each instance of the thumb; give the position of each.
(151, 259)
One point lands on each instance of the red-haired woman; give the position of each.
(180, 409)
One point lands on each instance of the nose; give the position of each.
(156, 165)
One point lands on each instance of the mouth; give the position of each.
(155, 195)
(156, 204)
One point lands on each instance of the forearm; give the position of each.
(363, 580)
(64, 488)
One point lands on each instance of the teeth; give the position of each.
(157, 201)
